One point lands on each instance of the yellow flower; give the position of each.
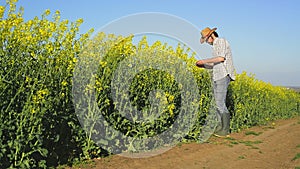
(2, 9)
(171, 98)
(42, 92)
(74, 60)
(47, 12)
(64, 83)
(171, 108)
(35, 100)
(57, 12)
(28, 79)
(103, 64)
(28, 38)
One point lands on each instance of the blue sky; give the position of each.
(263, 34)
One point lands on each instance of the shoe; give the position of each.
(226, 122)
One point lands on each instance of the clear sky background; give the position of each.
(264, 34)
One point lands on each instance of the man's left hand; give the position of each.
(200, 63)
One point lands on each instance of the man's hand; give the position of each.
(203, 64)
(200, 63)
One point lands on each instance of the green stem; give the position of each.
(12, 100)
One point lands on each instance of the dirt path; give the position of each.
(267, 147)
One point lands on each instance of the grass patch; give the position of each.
(241, 157)
(79, 164)
(230, 138)
(257, 142)
(269, 127)
(179, 144)
(252, 133)
(296, 157)
(253, 147)
(251, 143)
(298, 146)
(234, 142)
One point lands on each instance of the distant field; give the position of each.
(294, 88)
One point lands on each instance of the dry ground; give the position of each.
(276, 146)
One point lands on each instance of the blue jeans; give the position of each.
(220, 93)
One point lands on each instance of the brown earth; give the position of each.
(275, 146)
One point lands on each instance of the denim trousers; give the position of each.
(220, 93)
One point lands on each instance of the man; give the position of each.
(223, 72)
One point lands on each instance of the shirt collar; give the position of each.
(215, 41)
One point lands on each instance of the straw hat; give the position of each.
(205, 33)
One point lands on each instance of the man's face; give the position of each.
(209, 40)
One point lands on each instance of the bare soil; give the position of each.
(275, 146)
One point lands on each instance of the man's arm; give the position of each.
(210, 61)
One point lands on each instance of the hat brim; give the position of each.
(202, 40)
